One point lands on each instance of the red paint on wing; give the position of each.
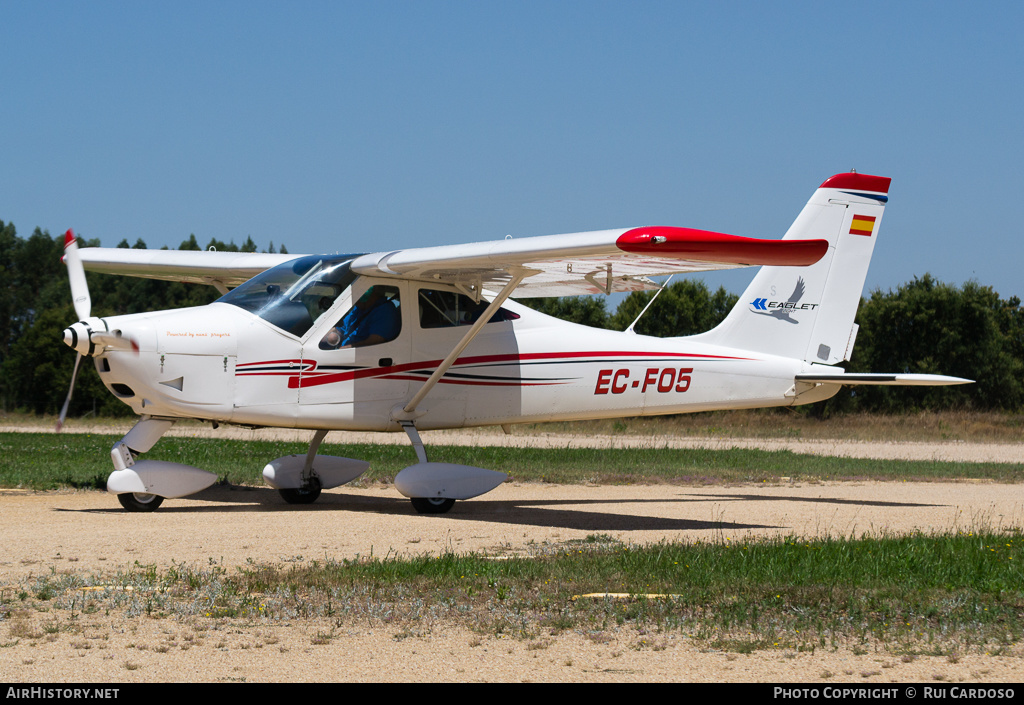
(707, 246)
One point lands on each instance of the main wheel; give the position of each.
(302, 495)
(140, 501)
(432, 505)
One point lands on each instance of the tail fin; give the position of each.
(807, 312)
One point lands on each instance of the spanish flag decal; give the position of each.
(862, 225)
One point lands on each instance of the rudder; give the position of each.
(808, 312)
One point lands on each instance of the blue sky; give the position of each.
(366, 126)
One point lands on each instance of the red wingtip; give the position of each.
(707, 246)
(69, 237)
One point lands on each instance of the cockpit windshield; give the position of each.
(293, 295)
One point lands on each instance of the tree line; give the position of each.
(924, 326)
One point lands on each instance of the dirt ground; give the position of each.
(87, 532)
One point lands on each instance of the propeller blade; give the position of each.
(76, 275)
(64, 411)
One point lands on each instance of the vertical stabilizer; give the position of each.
(807, 312)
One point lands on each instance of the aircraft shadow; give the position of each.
(824, 500)
(544, 513)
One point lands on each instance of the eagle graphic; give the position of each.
(783, 313)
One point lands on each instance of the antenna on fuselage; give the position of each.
(656, 295)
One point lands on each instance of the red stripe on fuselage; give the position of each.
(320, 378)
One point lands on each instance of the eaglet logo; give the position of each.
(782, 309)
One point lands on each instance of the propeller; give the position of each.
(82, 302)
(88, 336)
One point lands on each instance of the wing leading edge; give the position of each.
(192, 266)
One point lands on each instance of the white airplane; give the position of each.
(429, 338)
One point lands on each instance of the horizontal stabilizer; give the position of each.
(881, 378)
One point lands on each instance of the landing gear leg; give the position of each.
(142, 436)
(309, 492)
(417, 442)
(425, 505)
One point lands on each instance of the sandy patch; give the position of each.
(87, 532)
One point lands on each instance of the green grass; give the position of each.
(951, 594)
(48, 461)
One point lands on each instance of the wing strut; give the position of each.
(408, 410)
(656, 295)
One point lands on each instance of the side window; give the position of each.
(374, 319)
(446, 309)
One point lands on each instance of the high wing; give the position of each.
(604, 261)
(221, 269)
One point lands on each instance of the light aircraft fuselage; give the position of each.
(223, 363)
